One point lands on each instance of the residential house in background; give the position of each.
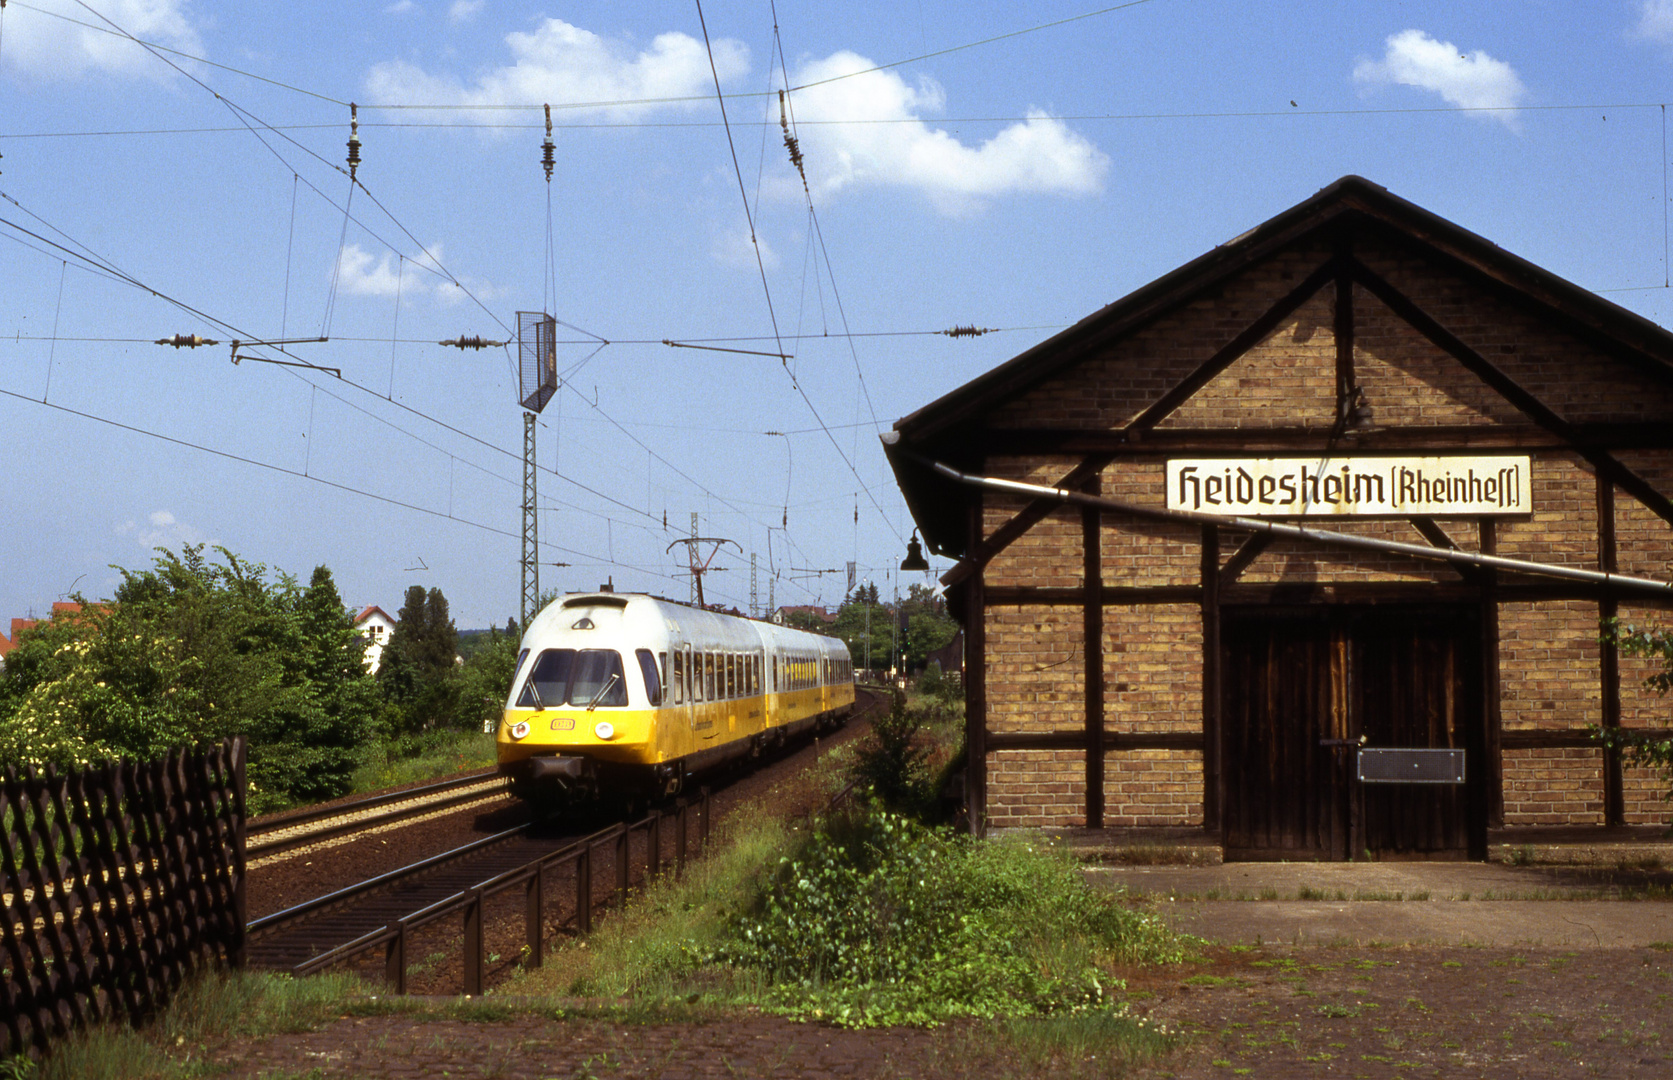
(375, 626)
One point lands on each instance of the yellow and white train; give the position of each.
(619, 693)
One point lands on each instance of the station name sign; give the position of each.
(1458, 486)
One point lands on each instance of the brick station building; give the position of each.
(1173, 627)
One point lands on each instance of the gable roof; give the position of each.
(369, 612)
(1350, 207)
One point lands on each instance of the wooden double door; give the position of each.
(1303, 689)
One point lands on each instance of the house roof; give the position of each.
(59, 607)
(1352, 206)
(369, 612)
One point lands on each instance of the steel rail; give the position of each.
(291, 818)
(413, 803)
(1608, 580)
(308, 906)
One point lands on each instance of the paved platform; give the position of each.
(1580, 888)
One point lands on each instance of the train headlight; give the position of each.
(520, 729)
(605, 730)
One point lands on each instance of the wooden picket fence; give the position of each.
(119, 881)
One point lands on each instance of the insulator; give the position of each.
(546, 148)
(186, 341)
(791, 143)
(354, 139)
(966, 331)
(472, 342)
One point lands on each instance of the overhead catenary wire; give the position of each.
(302, 475)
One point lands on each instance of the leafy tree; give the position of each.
(863, 624)
(486, 678)
(925, 633)
(806, 620)
(192, 651)
(418, 674)
(1650, 749)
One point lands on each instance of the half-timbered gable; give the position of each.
(1151, 638)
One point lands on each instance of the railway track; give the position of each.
(284, 833)
(561, 870)
(565, 874)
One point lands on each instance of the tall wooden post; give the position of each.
(1213, 770)
(1093, 649)
(1614, 800)
(1492, 748)
(976, 687)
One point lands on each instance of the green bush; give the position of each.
(877, 919)
(193, 651)
(892, 763)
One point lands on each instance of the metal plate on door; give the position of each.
(1411, 766)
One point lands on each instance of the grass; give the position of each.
(422, 757)
(211, 1009)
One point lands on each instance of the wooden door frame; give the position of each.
(1477, 732)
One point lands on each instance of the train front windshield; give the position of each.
(574, 677)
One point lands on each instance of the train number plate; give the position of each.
(563, 723)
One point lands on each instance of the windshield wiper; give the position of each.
(605, 689)
(534, 692)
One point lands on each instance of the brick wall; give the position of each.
(1549, 652)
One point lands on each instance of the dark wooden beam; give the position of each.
(1113, 741)
(1614, 798)
(975, 690)
(1440, 439)
(1549, 740)
(1348, 592)
(1247, 339)
(1512, 391)
(1092, 648)
(1492, 720)
(1344, 332)
(1246, 553)
(1030, 515)
(1431, 531)
(1073, 596)
(1214, 770)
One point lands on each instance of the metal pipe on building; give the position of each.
(1301, 532)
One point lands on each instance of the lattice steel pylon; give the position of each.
(754, 590)
(537, 381)
(531, 528)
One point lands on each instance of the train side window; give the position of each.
(679, 678)
(708, 676)
(653, 679)
(731, 675)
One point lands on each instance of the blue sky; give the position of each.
(966, 165)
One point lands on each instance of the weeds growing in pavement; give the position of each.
(209, 1009)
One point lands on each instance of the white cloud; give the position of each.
(41, 45)
(558, 62)
(1655, 21)
(399, 7)
(1472, 81)
(161, 529)
(360, 273)
(868, 130)
(734, 249)
(465, 10)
